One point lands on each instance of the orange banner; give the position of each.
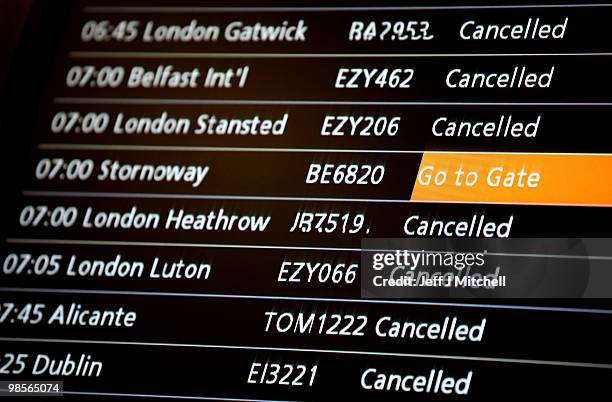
(515, 178)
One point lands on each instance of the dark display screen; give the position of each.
(190, 189)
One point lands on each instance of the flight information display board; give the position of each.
(190, 189)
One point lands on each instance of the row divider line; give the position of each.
(282, 102)
(174, 196)
(175, 9)
(188, 55)
(274, 247)
(128, 147)
(315, 350)
(309, 299)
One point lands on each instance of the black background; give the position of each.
(546, 335)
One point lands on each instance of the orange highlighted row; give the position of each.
(515, 178)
